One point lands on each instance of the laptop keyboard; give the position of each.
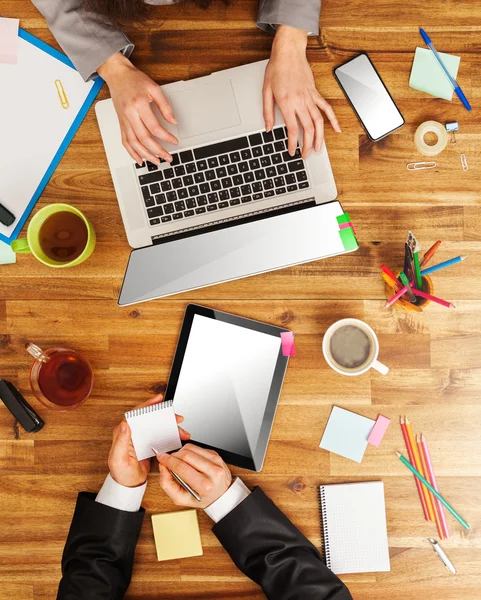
(221, 175)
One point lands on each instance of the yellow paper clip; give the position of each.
(420, 166)
(61, 94)
(464, 162)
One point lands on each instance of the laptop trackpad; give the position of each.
(205, 108)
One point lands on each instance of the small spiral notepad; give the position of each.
(154, 426)
(354, 527)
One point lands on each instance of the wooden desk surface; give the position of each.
(435, 358)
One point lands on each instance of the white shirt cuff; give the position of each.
(237, 492)
(118, 496)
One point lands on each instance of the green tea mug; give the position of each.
(31, 242)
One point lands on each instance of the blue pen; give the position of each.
(457, 89)
(442, 265)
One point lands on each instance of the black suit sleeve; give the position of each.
(269, 549)
(99, 553)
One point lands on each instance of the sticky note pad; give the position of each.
(177, 535)
(7, 255)
(8, 41)
(428, 76)
(378, 431)
(346, 434)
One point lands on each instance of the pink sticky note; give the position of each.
(287, 338)
(8, 41)
(378, 431)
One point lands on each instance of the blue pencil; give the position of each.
(446, 263)
(454, 83)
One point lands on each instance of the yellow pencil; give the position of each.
(419, 467)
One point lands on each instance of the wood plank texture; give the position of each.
(435, 357)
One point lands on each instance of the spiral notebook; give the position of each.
(354, 527)
(154, 426)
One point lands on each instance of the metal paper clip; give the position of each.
(451, 128)
(420, 166)
(61, 94)
(464, 162)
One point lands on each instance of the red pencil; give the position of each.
(437, 516)
(412, 461)
(432, 481)
(388, 271)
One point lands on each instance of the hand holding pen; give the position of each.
(202, 472)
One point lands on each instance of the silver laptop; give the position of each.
(231, 195)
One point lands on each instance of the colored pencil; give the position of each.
(433, 298)
(394, 283)
(430, 253)
(446, 263)
(433, 499)
(431, 489)
(411, 458)
(396, 296)
(417, 271)
(432, 481)
(419, 467)
(409, 291)
(388, 271)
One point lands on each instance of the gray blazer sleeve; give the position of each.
(302, 14)
(86, 39)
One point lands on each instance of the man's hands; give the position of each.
(204, 470)
(132, 94)
(289, 82)
(123, 464)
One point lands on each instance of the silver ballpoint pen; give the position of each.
(442, 555)
(182, 483)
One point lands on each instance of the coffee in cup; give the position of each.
(351, 348)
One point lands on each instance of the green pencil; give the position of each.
(405, 280)
(432, 490)
(417, 271)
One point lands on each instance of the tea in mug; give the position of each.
(65, 379)
(63, 236)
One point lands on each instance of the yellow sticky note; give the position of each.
(177, 535)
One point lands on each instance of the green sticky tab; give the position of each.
(348, 239)
(345, 218)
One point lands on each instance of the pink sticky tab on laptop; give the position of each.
(287, 338)
(348, 225)
(378, 431)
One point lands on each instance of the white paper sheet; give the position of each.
(33, 123)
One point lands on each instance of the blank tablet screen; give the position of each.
(224, 384)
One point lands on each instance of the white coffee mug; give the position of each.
(371, 362)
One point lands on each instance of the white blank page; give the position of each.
(33, 123)
(154, 426)
(354, 523)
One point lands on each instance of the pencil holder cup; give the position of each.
(403, 304)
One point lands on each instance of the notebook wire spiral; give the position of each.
(325, 531)
(149, 409)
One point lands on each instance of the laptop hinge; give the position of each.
(258, 215)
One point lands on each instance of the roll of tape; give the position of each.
(431, 127)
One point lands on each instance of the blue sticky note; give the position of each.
(346, 434)
(7, 255)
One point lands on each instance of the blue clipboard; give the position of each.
(98, 83)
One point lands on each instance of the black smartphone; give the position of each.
(369, 97)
